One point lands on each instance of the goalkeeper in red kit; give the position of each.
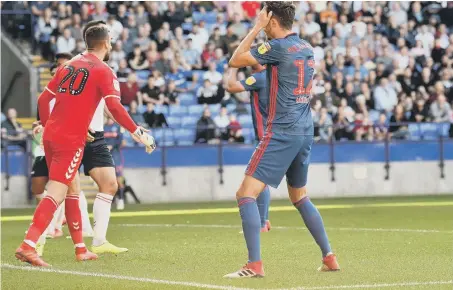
(78, 87)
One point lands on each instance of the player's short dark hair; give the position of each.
(95, 34)
(89, 25)
(284, 12)
(63, 55)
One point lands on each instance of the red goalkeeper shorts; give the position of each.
(63, 163)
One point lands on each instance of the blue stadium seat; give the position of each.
(215, 109)
(187, 99)
(161, 109)
(157, 134)
(231, 107)
(189, 122)
(187, 26)
(374, 116)
(185, 136)
(178, 111)
(210, 17)
(128, 138)
(248, 135)
(174, 122)
(142, 74)
(246, 121)
(141, 109)
(196, 110)
(168, 138)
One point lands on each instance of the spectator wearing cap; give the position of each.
(12, 132)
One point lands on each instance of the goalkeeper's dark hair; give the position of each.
(283, 11)
(89, 25)
(95, 35)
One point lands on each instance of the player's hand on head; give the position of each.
(90, 135)
(263, 18)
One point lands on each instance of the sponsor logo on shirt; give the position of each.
(250, 80)
(265, 47)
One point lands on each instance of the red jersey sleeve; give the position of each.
(52, 86)
(108, 84)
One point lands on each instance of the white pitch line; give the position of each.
(210, 286)
(377, 285)
(121, 277)
(285, 228)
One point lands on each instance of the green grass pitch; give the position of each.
(408, 246)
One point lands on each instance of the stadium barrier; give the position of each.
(204, 172)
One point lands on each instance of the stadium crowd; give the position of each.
(377, 63)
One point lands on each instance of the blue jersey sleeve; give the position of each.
(268, 52)
(255, 82)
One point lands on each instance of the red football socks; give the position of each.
(74, 221)
(41, 220)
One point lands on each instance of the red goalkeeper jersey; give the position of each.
(78, 87)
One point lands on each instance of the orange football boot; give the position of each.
(31, 257)
(329, 263)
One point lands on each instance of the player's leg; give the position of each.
(296, 177)
(74, 221)
(105, 178)
(263, 201)
(120, 200)
(83, 205)
(267, 166)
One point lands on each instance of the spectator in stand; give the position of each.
(174, 15)
(323, 126)
(381, 127)
(398, 130)
(12, 132)
(143, 38)
(222, 121)
(140, 15)
(212, 74)
(231, 41)
(153, 119)
(66, 43)
(171, 94)
(117, 54)
(207, 94)
(192, 55)
(208, 54)
(129, 90)
(80, 47)
(310, 26)
(220, 25)
(115, 27)
(440, 110)
(128, 45)
(363, 128)
(137, 59)
(85, 13)
(205, 128)
(329, 12)
(342, 126)
(220, 60)
(44, 29)
(135, 114)
(348, 94)
(100, 12)
(76, 27)
(176, 75)
(235, 131)
(121, 15)
(162, 44)
(132, 26)
(238, 27)
(168, 34)
(420, 112)
(159, 80)
(150, 93)
(385, 96)
(123, 71)
(180, 38)
(198, 39)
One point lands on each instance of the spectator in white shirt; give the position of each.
(385, 96)
(440, 110)
(310, 26)
(198, 39)
(222, 121)
(65, 42)
(343, 27)
(115, 27)
(426, 37)
(400, 14)
(212, 74)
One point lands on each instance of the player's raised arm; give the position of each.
(242, 56)
(233, 85)
(44, 99)
(254, 82)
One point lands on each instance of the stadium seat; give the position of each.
(231, 108)
(187, 99)
(168, 138)
(184, 136)
(174, 122)
(196, 110)
(246, 121)
(187, 26)
(178, 111)
(215, 109)
(161, 109)
(141, 109)
(189, 122)
(142, 74)
(128, 139)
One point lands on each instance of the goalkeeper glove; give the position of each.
(145, 139)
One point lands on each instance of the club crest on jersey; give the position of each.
(250, 80)
(265, 47)
(116, 85)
